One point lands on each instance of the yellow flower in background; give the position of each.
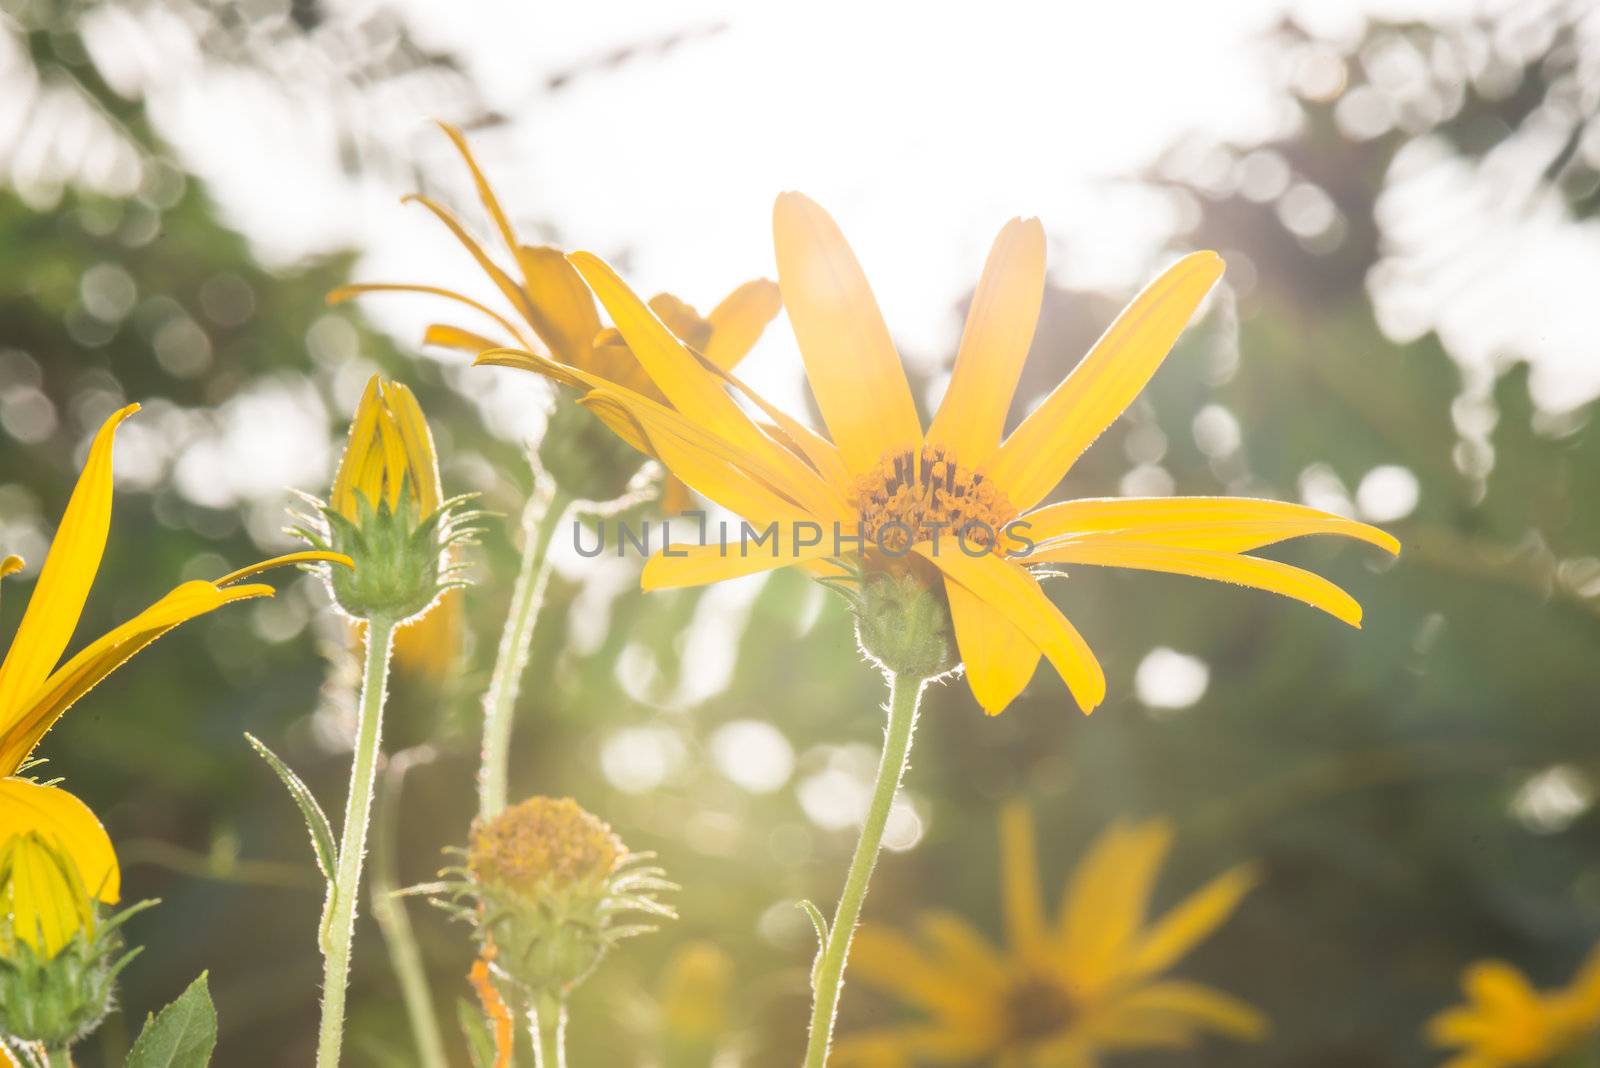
(1506, 1023)
(552, 307)
(1064, 990)
(881, 473)
(35, 690)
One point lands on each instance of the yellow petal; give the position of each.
(1223, 524)
(889, 961)
(491, 203)
(421, 460)
(503, 281)
(851, 362)
(61, 818)
(694, 392)
(737, 323)
(305, 556)
(1198, 1006)
(63, 585)
(99, 658)
(1105, 902)
(1500, 987)
(1191, 921)
(564, 314)
(1019, 884)
(699, 565)
(430, 645)
(1251, 571)
(998, 658)
(1462, 1026)
(1016, 595)
(963, 950)
(344, 293)
(454, 337)
(1000, 325)
(1039, 452)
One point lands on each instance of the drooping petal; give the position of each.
(59, 817)
(503, 281)
(344, 293)
(737, 323)
(63, 586)
(304, 556)
(491, 203)
(1223, 524)
(446, 336)
(564, 315)
(1251, 571)
(40, 710)
(999, 330)
(1039, 452)
(1105, 902)
(997, 656)
(1019, 885)
(850, 359)
(1016, 594)
(1191, 921)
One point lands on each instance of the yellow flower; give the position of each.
(390, 450)
(551, 305)
(1507, 1023)
(880, 473)
(1064, 990)
(35, 690)
(42, 896)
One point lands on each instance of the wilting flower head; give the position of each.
(545, 884)
(551, 310)
(59, 958)
(955, 507)
(1506, 1023)
(1066, 988)
(387, 512)
(35, 691)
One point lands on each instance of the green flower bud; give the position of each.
(583, 457)
(903, 623)
(59, 958)
(547, 883)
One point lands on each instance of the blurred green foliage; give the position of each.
(1417, 792)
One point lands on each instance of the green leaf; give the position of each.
(316, 820)
(182, 1035)
(819, 921)
(480, 1042)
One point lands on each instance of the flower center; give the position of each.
(914, 496)
(1036, 1009)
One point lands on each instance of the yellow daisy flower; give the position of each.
(35, 690)
(1506, 1023)
(882, 474)
(1064, 990)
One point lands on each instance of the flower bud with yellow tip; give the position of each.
(388, 514)
(59, 958)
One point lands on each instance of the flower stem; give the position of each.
(547, 507)
(394, 922)
(828, 976)
(548, 1021)
(339, 924)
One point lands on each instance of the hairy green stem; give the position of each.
(395, 923)
(339, 922)
(828, 974)
(547, 508)
(547, 1020)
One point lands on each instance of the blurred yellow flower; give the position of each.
(551, 305)
(880, 473)
(1506, 1023)
(35, 691)
(695, 990)
(1064, 991)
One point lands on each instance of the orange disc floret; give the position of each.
(912, 497)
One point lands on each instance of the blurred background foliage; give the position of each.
(1420, 794)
